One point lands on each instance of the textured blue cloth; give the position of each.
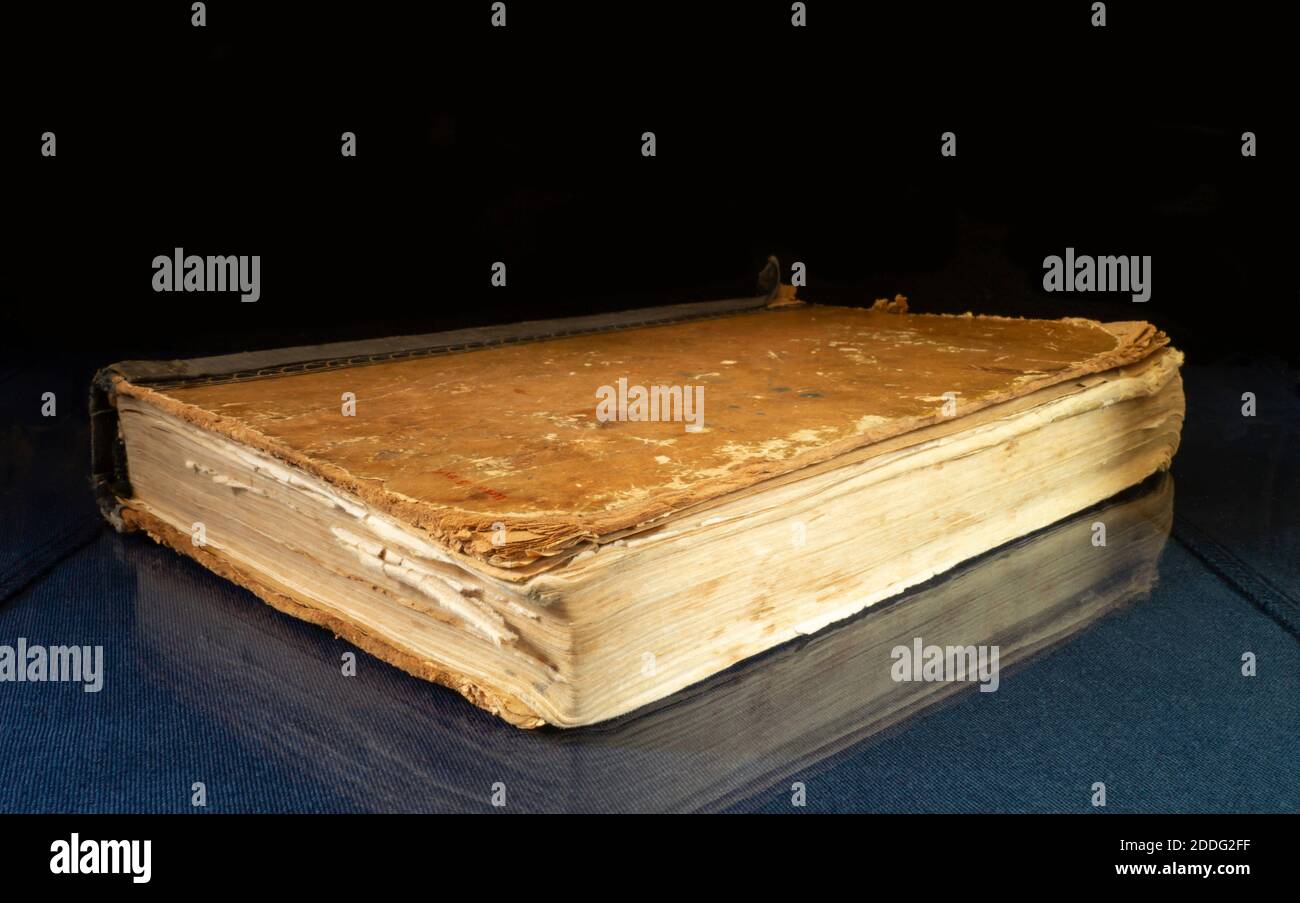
(204, 683)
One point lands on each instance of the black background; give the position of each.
(522, 145)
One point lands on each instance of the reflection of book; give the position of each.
(773, 716)
(796, 706)
(502, 520)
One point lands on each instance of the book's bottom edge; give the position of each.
(490, 699)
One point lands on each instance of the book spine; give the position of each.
(108, 473)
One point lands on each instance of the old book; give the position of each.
(567, 520)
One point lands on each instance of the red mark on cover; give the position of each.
(461, 481)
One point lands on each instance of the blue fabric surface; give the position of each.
(204, 683)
